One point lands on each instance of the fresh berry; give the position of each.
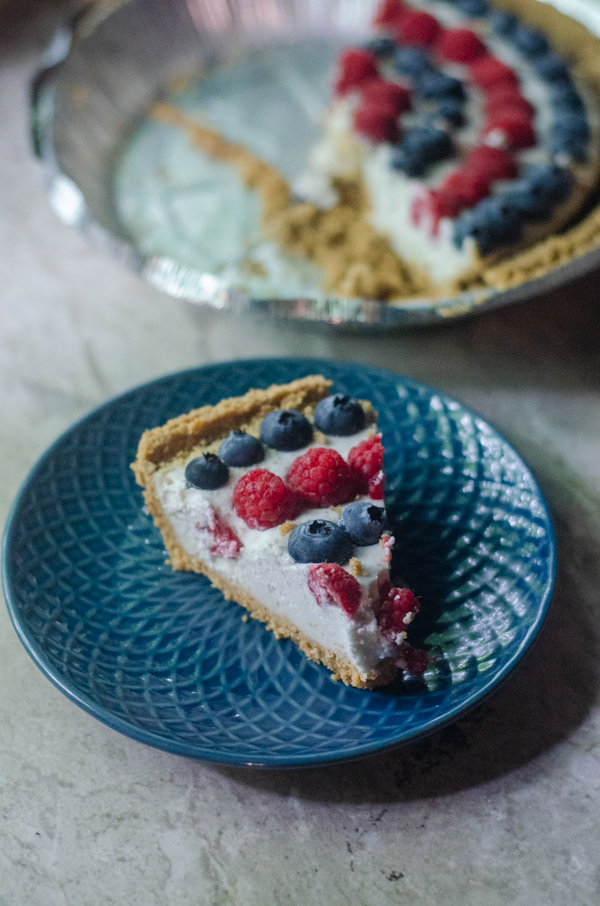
(530, 42)
(322, 478)
(225, 542)
(414, 660)
(320, 541)
(494, 163)
(376, 486)
(488, 73)
(241, 449)
(506, 97)
(262, 500)
(354, 68)
(286, 430)
(461, 189)
(367, 457)
(565, 98)
(491, 224)
(572, 126)
(552, 68)
(364, 522)
(502, 23)
(388, 13)
(437, 86)
(473, 8)
(451, 112)
(206, 472)
(461, 45)
(399, 604)
(330, 584)
(529, 204)
(379, 123)
(417, 27)
(421, 147)
(412, 62)
(554, 183)
(510, 129)
(381, 47)
(339, 415)
(380, 92)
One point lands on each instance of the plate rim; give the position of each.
(101, 713)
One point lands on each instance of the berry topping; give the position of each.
(377, 485)
(474, 8)
(488, 73)
(530, 42)
(506, 97)
(491, 224)
(451, 112)
(574, 125)
(435, 86)
(286, 430)
(494, 163)
(364, 522)
(510, 129)
(381, 47)
(377, 122)
(241, 449)
(565, 98)
(322, 478)
(502, 23)
(225, 542)
(330, 584)
(382, 93)
(460, 45)
(389, 13)
(367, 457)
(554, 183)
(396, 612)
(413, 660)
(339, 415)
(412, 62)
(461, 189)
(262, 500)
(320, 541)
(552, 68)
(206, 472)
(417, 27)
(420, 148)
(354, 68)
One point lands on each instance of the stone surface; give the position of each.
(502, 807)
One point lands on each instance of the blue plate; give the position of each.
(163, 658)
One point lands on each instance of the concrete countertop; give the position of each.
(502, 807)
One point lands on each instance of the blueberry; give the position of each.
(421, 147)
(436, 86)
(473, 8)
(552, 68)
(412, 62)
(364, 522)
(555, 183)
(206, 472)
(528, 203)
(241, 449)
(572, 125)
(381, 47)
(339, 415)
(566, 145)
(286, 429)
(452, 112)
(320, 541)
(566, 99)
(530, 42)
(491, 224)
(503, 23)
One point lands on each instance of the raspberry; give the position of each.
(416, 27)
(493, 163)
(376, 485)
(367, 456)
(488, 72)
(225, 542)
(506, 97)
(415, 660)
(463, 189)
(330, 584)
(389, 13)
(392, 618)
(322, 478)
(354, 68)
(460, 45)
(513, 128)
(262, 500)
(378, 92)
(379, 123)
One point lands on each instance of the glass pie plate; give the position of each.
(162, 657)
(258, 71)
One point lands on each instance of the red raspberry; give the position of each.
(463, 189)
(380, 93)
(379, 123)
(399, 603)
(367, 457)
(515, 126)
(493, 163)
(460, 45)
(331, 584)
(376, 485)
(488, 72)
(225, 542)
(506, 97)
(389, 12)
(262, 500)
(415, 660)
(416, 27)
(322, 478)
(354, 68)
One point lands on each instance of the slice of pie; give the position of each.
(277, 497)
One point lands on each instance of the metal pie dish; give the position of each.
(137, 188)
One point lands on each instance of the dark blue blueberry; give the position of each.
(381, 47)
(502, 23)
(555, 183)
(364, 522)
(286, 429)
(566, 145)
(206, 472)
(437, 86)
(339, 415)
(411, 62)
(530, 42)
(528, 203)
(241, 449)
(421, 147)
(491, 224)
(572, 126)
(473, 8)
(552, 68)
(320, 541)
(452, 112)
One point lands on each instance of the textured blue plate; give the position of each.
(163, 658)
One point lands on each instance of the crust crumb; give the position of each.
(355, 567)
(287, 527)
